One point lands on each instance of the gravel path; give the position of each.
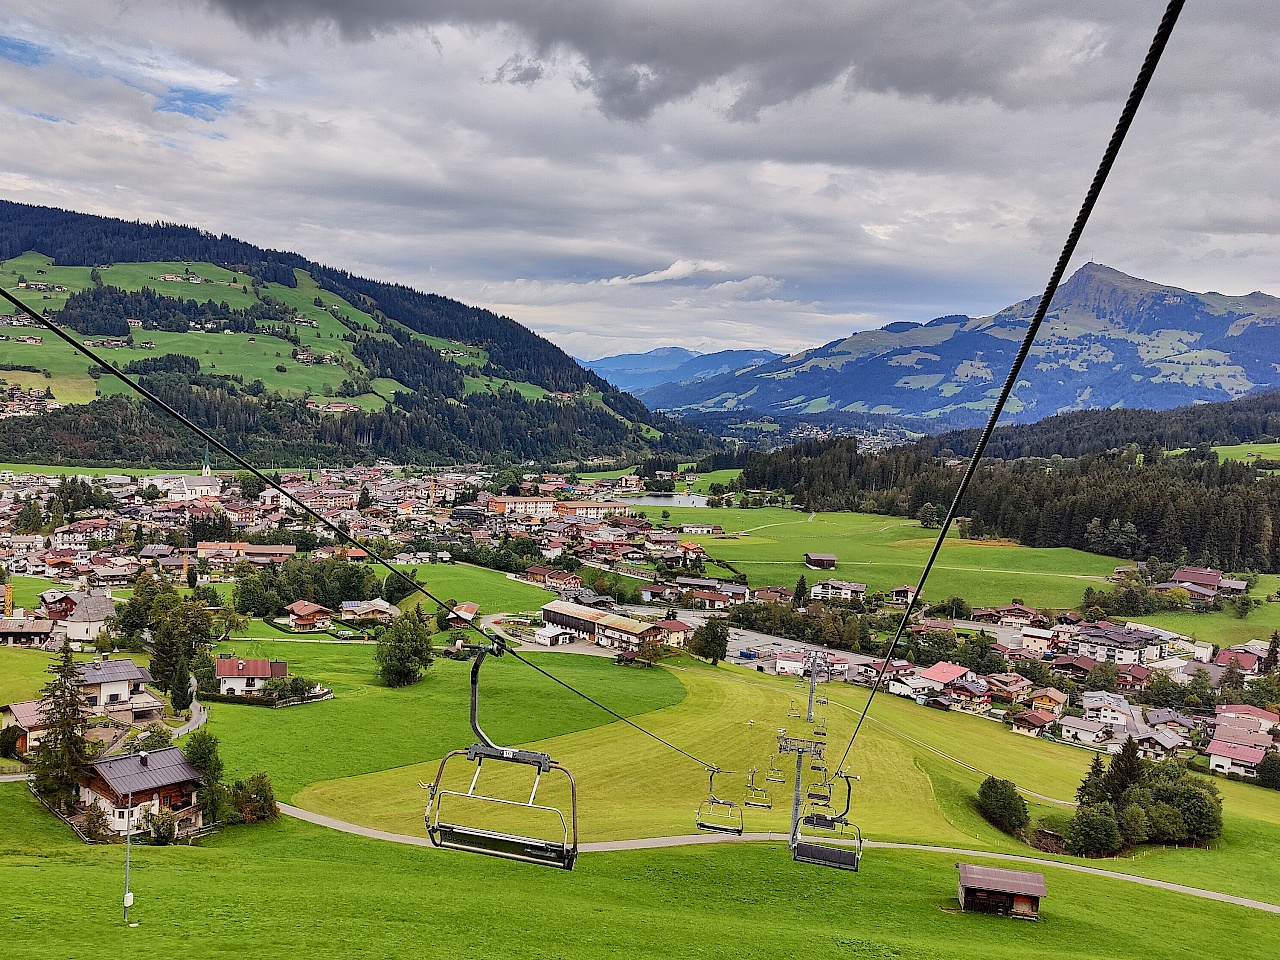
(652, 843)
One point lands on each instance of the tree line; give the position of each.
(1180, 508)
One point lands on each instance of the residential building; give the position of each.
(1119, 645)
(240, 678)
(117, 688)
(1012, 687)
(1227, 757)
(1030, 723)
(133, 785)
(837, 590)
(1109, 708)
(28, 717)
(1049, 699)
(305, 616)
(376, 609)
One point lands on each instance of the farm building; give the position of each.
(1009, 893)
(820, 561)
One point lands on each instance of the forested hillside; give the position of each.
(1093, 431)
(436, 380)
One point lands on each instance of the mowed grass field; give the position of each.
(292, 889)
(919, 773)
(369, 727)
(886, 552)
(489, 588)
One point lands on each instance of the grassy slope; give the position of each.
(489, 588)
(885, 552)
(369, 727)
(291, 889)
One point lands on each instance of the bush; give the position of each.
(1268, 770)
(1002, 805)
(163, 825)
(97, 825)
(9, 738)
(254, 800)
(1094, 832)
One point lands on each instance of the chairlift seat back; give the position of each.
(842, 858)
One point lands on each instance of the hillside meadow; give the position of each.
(768, 545)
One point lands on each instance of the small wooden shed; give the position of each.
(1008, 893)
(820, 561)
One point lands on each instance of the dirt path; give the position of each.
(653, 843)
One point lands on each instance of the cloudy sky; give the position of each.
(629, 174)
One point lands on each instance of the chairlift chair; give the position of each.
(820, 729)
(795, 712)
(820, 699)
(827, 851)
(819, 793)
(716, 815)
(775, 774)
(757, 796)
(448, 832)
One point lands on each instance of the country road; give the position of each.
(655, 843)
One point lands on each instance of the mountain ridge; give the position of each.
(1108, 340)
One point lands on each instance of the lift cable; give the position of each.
(1163, 32)
(332, 527)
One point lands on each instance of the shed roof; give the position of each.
(1003, 881)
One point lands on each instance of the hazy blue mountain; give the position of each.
(1109, 340)
(636, 372)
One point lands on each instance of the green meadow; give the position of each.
(769, 544)
(289, 889)
(489, 588)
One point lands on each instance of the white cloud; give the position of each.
(779, 179)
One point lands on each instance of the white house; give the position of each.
(238, 678)
(1234, 758)
(912, 686)
(1108, 708)
(837, 590)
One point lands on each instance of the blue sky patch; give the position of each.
(200, 104)
(23, 51)
(52, 118)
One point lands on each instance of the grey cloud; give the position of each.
(637, 57)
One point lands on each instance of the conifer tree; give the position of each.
(1124, 771)
(62, 757)
(1093, 789)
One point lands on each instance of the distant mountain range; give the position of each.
(634, 372)
(1109, 340)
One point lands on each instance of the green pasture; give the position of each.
(705, 480)
(291, 889)
(27, 590)
(1223, 627)
(487, 384)
(886, 552)
(59, 470)
(1249, 451)
(489, 588)
(369, 727)
(23, 673)
(252, 356)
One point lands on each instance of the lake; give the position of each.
(668, 500)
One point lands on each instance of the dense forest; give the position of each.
(266, 428)
(1188, 507)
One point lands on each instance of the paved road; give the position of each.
(13, 777)
(652, 843)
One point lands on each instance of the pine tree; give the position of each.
(30, 518)
(1124, 771)
(57, 517)
(1093, 789)
(366, 499)
(180, 685)
(802, 592)
(1272, 660)
(62, 757)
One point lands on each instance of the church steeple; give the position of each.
(206, 470)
